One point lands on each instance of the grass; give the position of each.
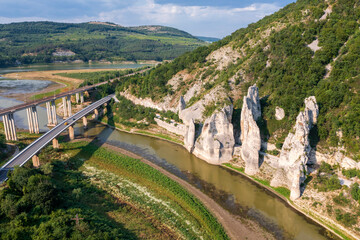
(148, 190)
(280, 190)
(163, 136)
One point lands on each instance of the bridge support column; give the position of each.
(53, 112)
(64, 107)
(77, 97)
(30, 120)
(81, 97)
(36, 161)
(71, 133)
(85, 121)
(34, 121)
(96, 114)
(9, 126)
(55, 143)
(69, 106)
(48, 111)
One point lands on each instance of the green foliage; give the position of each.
(326, 180)
(126, 112)
(35, 42)
(347, 219)
(351, 173)
(355, 191)
(341, 200)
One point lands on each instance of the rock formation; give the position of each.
(279, 113)
(295, 152)
(250, 132)
(189, 138)
(216, 141)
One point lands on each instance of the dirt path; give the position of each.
(234, 227)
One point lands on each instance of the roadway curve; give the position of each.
(22, 157)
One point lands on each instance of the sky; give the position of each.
(210, 18)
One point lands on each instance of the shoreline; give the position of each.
(289, 203)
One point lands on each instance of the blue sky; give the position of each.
(212, 18)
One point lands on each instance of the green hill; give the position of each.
(44, 42)
(311, 47)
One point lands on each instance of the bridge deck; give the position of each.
(22, 157)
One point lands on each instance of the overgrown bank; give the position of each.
(116, 196)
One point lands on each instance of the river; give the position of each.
(231, 190)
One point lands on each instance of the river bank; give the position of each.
(333, 228)
(234, 228)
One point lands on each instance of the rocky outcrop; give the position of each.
(195, 111)
(216, 141)
(173, 127)
(279, 113)
(148, 102)
(189, 138)
(250, 132)
(296, 149)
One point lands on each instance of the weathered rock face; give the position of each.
(279, 113)
(250, 132)
(182, 104)
(296, 150)
(216, 141)
(189, 138)
(177, 128)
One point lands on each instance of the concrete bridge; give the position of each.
(32, 150)
(32, 116)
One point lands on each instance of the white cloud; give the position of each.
(198, 20)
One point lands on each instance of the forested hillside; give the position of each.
(45, 42)
(311, 47)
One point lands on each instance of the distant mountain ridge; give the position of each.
(35, 42)
(208, 39)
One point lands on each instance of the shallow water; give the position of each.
(11, 86)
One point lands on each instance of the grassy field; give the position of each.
(158, 199)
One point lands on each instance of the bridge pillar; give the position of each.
(69, 106)
(36, 161)
(9, 126)
(34, 118)
(77, 97)
(53, 112)
(30, 120)
(64, 107)
(55, 143)
(84, 121)
(48, 111)
(96, 114)
(71, 133)
(81, 97)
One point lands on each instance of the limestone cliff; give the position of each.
(189, 138)
(296, 150)
(250, 132)
(216, 141)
